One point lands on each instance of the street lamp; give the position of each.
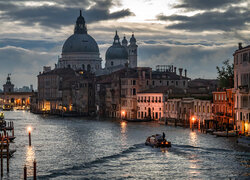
(123, 114)
(29, 129)
(193, 119)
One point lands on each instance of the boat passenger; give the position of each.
(163, 135)
(1, 115)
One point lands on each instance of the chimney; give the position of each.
(185, 71)
(46, 69)
(240, 45)
(175, 70)
(180, 71)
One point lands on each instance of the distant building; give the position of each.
(166, 75)
(242, 87)
(18, 100)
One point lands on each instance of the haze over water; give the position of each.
(78, 148)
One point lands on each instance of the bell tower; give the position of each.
(132, 52)
(8, 86)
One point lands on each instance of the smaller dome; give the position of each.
(116, 52)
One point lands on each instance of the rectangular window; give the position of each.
(159, 99)
(195, 108)
(245, 58)
(134, 82)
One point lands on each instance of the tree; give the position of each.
(226, 75)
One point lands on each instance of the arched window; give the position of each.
(83, 66)
(112, 63)
(88, 67)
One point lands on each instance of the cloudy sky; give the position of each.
(194, 34)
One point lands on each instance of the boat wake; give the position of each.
(94, 163)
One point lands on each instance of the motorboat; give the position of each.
(157, 141)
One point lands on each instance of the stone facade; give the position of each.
(223, 108)
(65, 90)
(118, 91)
(150, 105)
(242, 88)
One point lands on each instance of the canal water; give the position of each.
(80, 148)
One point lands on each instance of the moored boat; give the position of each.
(244, 141)
(157, 140)
(225, 133)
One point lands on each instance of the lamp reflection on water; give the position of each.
(124, 132)
(30, 157)
(193, 138)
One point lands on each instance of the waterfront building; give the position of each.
(65, 90)
(242, 88)
(223, 108)
(151, 102)
(188, 111)
(117, 92)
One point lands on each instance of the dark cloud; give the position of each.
(23, 64)
(59, 16)
(206, 4)
(233, 18)
(200, 61)
(29, 44)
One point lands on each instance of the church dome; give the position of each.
(80, 41)
(116, 51)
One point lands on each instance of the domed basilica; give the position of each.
(81, 52)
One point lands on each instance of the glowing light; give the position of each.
(193, 118)
(246, 126)
(123, 113)
(123, 123)
(29, 129)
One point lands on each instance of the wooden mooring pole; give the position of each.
(1, 157)
(34, 168)
(8, 155)
(25, 172)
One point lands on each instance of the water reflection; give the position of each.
(193, 138)
(124, 133)
(193, 166)
(30, 157)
